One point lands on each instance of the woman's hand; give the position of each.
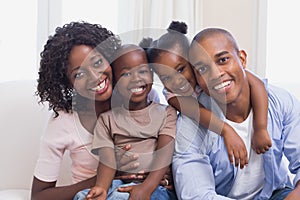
(127, 163)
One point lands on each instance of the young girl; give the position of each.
(169, 57)
(150, 128)
(75, 78)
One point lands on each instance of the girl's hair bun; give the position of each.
(180, 27)
(146, 43)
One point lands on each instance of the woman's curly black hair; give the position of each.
(53, 84)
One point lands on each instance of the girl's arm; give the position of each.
(235, 146)
(261, 141)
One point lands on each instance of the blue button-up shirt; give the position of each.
(201, 166)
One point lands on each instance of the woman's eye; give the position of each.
(78, 75)
(180, 69)
(98, 63)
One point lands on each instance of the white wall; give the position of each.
(242, 19)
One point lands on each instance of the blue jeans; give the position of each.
(281, 193)
(160, 193)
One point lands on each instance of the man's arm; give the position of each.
(290, 108)
(193, 174)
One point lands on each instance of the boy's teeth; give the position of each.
(222, 85)
(133, 90)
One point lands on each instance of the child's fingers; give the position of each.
(125, 189)
(236, 158)
(91, 194)
(230, 155)
(243, 159)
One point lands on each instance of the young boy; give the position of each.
(150, 128)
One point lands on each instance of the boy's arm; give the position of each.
(105, 173)
(261, 141)
(235, 146)
(161, 162)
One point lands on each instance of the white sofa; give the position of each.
(22, 121)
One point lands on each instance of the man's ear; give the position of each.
(243, 58)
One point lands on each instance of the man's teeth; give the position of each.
(222, 85)
(134, 90)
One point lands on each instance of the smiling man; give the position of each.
(220, 71)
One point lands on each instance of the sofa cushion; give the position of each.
(14, 194)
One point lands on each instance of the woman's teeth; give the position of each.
(99, 87)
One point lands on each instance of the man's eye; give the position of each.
(223, 60)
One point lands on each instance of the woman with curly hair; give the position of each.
(75, 78)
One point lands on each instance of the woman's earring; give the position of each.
(73, 97)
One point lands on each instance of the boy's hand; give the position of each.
(96, 192)
(261, 141)
(236, 148)
(137, 192)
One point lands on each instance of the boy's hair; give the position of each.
(174, 38)
(53, 83)
(123, 50)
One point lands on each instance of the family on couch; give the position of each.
(231, 132)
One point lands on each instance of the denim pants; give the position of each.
(281, 193)
(160, 193)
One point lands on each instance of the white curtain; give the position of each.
(142, 18)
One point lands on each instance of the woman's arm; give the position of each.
(47, 190)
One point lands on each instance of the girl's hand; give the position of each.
(236, 148)
(261, 141)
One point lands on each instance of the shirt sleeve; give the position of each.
(193, 174)
(102, 133)
(53, 144)
(288, 107)
(168, 95)
(154, 96)
(169, 127)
